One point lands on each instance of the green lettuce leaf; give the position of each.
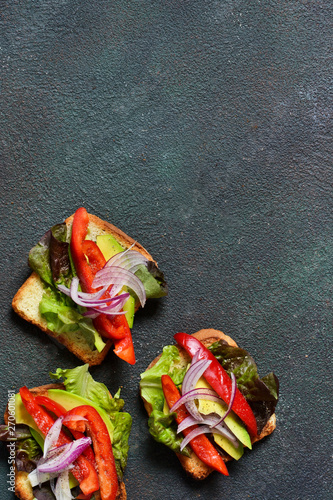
(123, 423)
(153, 281)
(163, 428)
(261, 394)
(27, 454)
(150, 384)
(78, 381)
(63, 316)
(39, 258)
(7, 433)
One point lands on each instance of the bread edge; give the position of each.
(95, 357)
(192, 465)
(23, 489)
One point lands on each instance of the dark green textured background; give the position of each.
(202, 129)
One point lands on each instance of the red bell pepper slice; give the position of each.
(79, 233)
(220, 381)
(97, 430)
(201, 445)
(60, 411)
(124, 348)
(117, 327)
(83, 470)
(96, 258)
(80, 250)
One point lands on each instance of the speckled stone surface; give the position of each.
(202, 129)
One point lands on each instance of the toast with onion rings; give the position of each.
(40, 302)
(193, 465)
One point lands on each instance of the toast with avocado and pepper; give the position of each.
(206, 402)
(71, 264)
(66, 439)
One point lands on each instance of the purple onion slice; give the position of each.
(52, 436)
(187, 422)
(62, 489)
(232, 398)
(127, 259)
(70, 452)
(37, 478)
(200, 393)
(117, 273)
(191, 378)
(117, 276)
(202, 429)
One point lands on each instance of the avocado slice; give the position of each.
(226, 445)
(109, 247)
(233, 422)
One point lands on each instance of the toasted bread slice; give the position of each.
(27, 299)
(23, 489)
(193, 466)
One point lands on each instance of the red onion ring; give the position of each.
(191, 378)
(117, 276)
(200, 393)
(232, 398)
(52, 436)
(69, 453)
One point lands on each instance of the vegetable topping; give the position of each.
(117, 327)
(220, 381)
(210, 401)
(83, 469)
(190, 395)
(200, 444)
(83, 293)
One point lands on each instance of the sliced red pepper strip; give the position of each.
(79, 233)
(117, 328)
(99, 434)
(83, 470)
(51, 405)
(220, 381)
(94, 254)
(124, 348)
(60, 411)
(201, 445)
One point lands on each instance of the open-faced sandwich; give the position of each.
(206, 402)
(67, 440)
(88, 280)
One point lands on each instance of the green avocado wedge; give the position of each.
(232, 421)
(108, 245)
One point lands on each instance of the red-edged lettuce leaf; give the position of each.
(27, 450)
(261, 394)
(50, 258)
(59, 255)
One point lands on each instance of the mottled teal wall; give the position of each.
(202, 129)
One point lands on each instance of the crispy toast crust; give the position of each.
(26, 301)
(23, 489)
(193, 466)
